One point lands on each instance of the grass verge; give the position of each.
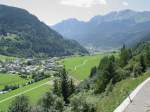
(109, 103)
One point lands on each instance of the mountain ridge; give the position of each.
(99, 31)
(23, 34)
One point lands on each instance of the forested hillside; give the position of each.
(22, 34)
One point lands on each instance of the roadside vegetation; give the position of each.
(119, 92)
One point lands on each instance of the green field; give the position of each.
(11, 79)
(80, 66)
(5, 58)
(34, 91)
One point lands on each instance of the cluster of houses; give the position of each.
(28, 66)
(25, 67)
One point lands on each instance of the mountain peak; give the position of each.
(127, 11)
(71, 20)
(111, 29)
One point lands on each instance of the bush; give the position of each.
(52, 103)
(10, 87)
(20, 104)
(137, 70)
(79, 104)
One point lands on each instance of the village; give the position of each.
(29, 66)
(32, 70)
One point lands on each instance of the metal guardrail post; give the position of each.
(129, 97)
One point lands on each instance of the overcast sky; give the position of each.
(54, 11)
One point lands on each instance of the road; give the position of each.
(21, 93)
(141, 102)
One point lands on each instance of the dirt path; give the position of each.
(21, 93)
(141, 102)
(80, 65)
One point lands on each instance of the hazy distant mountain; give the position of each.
(108, 31)
(22, 34)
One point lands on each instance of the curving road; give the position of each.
(141, 102)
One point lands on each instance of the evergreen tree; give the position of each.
(137, 70)
(20, 104)
(72, 87)
(52, 103)
(125, 56)
(142, 63)
(147, 57)
(106, 73)
(93, 71)
(65, 86)
(57, 89)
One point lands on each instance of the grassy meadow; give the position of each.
(11, 79)
(80, 66)
(34, 91)
(5, 58)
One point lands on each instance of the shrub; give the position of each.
(20, 104)
(79, 104)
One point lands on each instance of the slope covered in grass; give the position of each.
(11, 79)
(121, 90)
(80, 66)
(34, 92)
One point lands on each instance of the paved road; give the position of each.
(141, 102)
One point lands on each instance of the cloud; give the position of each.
(125, 3)
(83, 3)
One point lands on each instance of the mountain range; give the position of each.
(23, 34)
(108, 31)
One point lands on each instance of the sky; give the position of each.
(54, 11)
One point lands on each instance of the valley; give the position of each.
(72, 65)
(23, 83)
